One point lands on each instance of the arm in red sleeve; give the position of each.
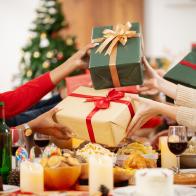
(27, 95)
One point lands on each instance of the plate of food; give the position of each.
(188, 158)
(186, 177)
(179, 190)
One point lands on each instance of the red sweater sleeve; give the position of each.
(27, 95)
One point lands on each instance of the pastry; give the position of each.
(185, 178)
(121, 174)
(136, 147)
(137, 161)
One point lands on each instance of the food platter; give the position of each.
(189, 171)
(179, 190)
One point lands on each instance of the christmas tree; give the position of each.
(46, 49)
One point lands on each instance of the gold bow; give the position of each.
(121, 33)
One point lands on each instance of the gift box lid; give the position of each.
(184, 72)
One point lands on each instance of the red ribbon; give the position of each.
(188, 64)
(102, 103)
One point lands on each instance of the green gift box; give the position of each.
(128, 68)
(184, 72)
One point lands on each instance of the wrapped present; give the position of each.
(100, 116)
(117, 60)
(184, 72)
(72, 83)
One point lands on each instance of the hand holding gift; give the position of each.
(45, 124)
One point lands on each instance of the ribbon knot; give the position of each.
(121, 33)
(104, 102)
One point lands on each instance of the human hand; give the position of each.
(146, 110)
(45, 124)
(151, 81)
(80, 60)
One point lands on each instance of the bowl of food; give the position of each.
(188, 158)
(123, 175)
(60, 172)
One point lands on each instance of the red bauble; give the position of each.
(60, 56)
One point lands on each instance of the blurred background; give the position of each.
(168, 26)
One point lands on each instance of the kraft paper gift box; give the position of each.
(184, 72)
(89, 122)
(119, 65)
(74, 82)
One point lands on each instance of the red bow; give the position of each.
(104, 102)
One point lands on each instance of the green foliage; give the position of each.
(45, 49)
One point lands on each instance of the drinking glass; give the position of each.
(17, 141)
(41, 140)
(177, 142)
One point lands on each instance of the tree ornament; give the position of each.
(50, 3)
(44, 42)
(54, 60)
(29, 73)
(46, 20)
(51, 21)
(36, 54)
(52, 10)
(43, 35)
(60, 56)
(69, 41)
(50, 54)
(46, 64)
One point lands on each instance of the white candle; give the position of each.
(100, 173)
(168, 159)
(31, 177)
(154, 182)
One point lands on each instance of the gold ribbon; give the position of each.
(120, 33)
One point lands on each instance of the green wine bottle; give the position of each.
(5, 147)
